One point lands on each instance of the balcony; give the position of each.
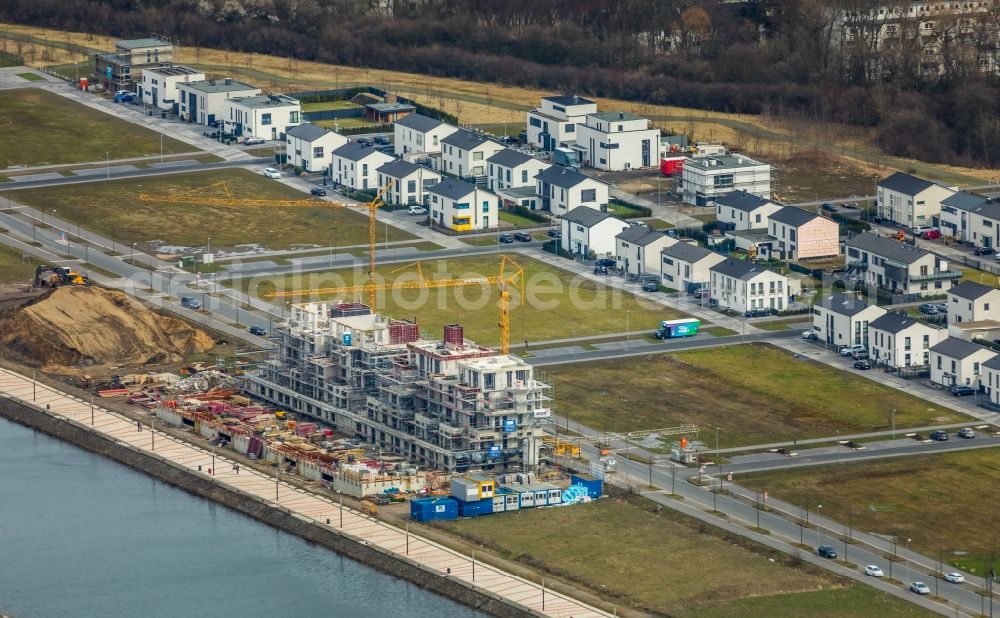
(936, 275)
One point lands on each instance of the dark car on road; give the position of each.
(383, 140)
(605, 262)
(366, 141)
(190, 302)
(939, 435)
(985, 251)
(554, 233)
(318, 192)
(757, 313)
(260, 331)
(962, 391)
(650, 286)
(829, 207)
(522, 237)
(505, 239)
(825, 551)
(863, 363)
(600, 270)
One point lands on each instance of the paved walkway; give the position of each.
(318, 510)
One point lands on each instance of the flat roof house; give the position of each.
(464, 154)
(800, 235)
(417, 134)
(899, 341)
(353, 166)
(159, 85)
(739, 210)
(122, 69)
(409, 182)
(614, 141)
(957, 362)
(269, 117)
(638, 247)
(204, 101)
(843, 320)
(704, 180)
(897, 267)
(463, 207)
(973, 302)
(509, 169)
(554, 122)
(562, 189)
(744, 286)
(909, 200)
(311, 147)
(587, 231)
(685, 266)
(388, 111)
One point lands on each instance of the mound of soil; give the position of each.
(72, 327)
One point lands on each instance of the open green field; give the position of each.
(41, 128)
(558, 304)
(31, 77)
(938, 501)
(660, 562)
(13, 269)
(319, 106)
(857, 601)
(114, 210)
(754, 393)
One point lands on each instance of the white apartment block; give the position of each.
(897, 267)
(554, 122)
(159, 85)
(686, 267)
(417, 134)
(908, 200)
(744, 286)
(269, 117)
(204, 102)
(704, 180)
(614, 141)
(511, 169)
(354, 166)
(311, 147)
(587, 231)
(410, 182)
(900, 341)
(562, 189)
(463, 207)
(843, 320)
(464, 154)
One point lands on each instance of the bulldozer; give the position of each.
(54, 276)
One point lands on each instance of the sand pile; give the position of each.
(90, 326)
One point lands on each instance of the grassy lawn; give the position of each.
(719, 331)
(632, 553)
(935, 500)
(513, 218)
(31, 77)
(558, 304)
(802, 322)
(112, 209)
(857, 601)
(620, 209)
(979, 276)
(14, 269)
(44, 128)
(780, 397)
(345, 123)
(320, 106)
(659, 224)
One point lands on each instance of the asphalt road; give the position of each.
(139, 173)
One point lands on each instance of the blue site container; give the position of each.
(475, 508)
(595, 486)
(429, 509)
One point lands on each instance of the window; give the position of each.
(293, 117)
(571, 128)
(461, 206)
(411, 186)
(477, 156)
(906, 343)
(508, 175)
(535, 122)
(588, 195)
(975, 369)
(317, 152)
(723, 181)
(524, 179)
(757, 218)
(486, 205)
(265, 119)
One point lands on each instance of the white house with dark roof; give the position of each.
(898, 267)
(897, 340)
(553, 123)
(637, 249)
(685, 266)
(843, 319)
(908, 200)
(984, 225)
(410, 182)
(739, 210)
(159, 85)
(586, 230)
(354, 166)
(614, 141)
(990, 376)
(311, 147)
(203, 101)
(464, 153)
(269, 117)
(957, 362)
(705, 179)
(973, 302)
(956, 214)
(509, 169)
(562, 189)
(746, 286)
(417, 134)
(462, 206)
(800, 235)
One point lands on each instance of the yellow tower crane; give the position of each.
(201, 196)
(510, 275)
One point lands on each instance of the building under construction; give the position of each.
(122, 69)
(448, 404)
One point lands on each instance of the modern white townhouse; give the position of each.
(512, 169)
(637, 249)
(159, 85)
(897, 267)
(973, 302)
(898, 341)
(908, 200)
(464, 154)
(615, 141)
(354, 166)
(745, 286)
(204, 101)
(462, 206)
(686, 266)
(269, 117)
(554, 122)
(739, 210)
(957, 362)
(311, 147)
(587, 231)
(417, 134)
(844, 320)
(410, 182)
(704, 180)
(562, 189)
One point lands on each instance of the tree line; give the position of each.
(924, 92)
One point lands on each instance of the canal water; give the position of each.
(83, 536)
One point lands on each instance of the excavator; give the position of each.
(54, 276)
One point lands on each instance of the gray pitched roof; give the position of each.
(466, 140)
(886, 247)
(419, 122)
(587, 217)
(993, 363)
(741, 200)
(790, 215)
(354, 151)
(740, 269)
(963, 200)
(970, 290)
(843, 304)
(639, 235)
(686, 252)
(561, 176)
(953, 347)
(893, 322)
(452, 189)
(308, 132)
(399, 168)
(508, 157)
(568, 99)
(905, 183)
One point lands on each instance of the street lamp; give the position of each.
(908, 561)
(626, 325)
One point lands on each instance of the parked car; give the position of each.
(757, 313)
(600, 270)
(260, 331)
(554, 233)
(318, 191)
(252, 141)
(811, 335)
(522, 237)
(849, 350)
(985, 251)
(190, 302)
(919, 588)
(931, 235)
(939, 436)
(962, 390)
(920, 229)
(855, 446)
(860, 354)
(862, 363)
(825, 551)
(702, 293)
(127, 97)
(505, 239)
(605, 262)
(382, 140)
(928, 309)
(416, 210)
(966, 433)
(366, 141)
(829, 207)
(919, 437)
(955, 578)
(873, 571)
(649, 286)
(270, 172)
(941, 307)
